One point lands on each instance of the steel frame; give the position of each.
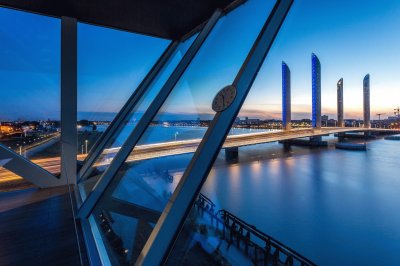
(117, 124)
(69, 137)
(171, 221)
(103, 182)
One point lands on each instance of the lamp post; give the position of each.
(176, 134)
(86, 143)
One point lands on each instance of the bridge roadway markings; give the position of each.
(151, 151)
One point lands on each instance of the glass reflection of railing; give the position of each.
(259, 247)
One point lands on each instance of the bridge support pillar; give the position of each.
(316, 139)
(341, 136)
(232, 154)
(286, 145)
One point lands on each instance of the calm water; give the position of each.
(335, 207)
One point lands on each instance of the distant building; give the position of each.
(316, 91)
(252, 121)
(331, 123)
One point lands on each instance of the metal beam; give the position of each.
(168, 226)
(118, 123)
(145, 121)
(69, 137)
(23, 167)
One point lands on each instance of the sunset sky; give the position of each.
(351, 39)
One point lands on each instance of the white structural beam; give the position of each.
(24, 168)
(69, 137)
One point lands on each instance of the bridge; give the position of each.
(150, 151)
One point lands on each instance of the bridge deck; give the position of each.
(150, 151)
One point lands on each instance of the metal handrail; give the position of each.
(228, 219)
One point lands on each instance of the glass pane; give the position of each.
(115, 142)
(111, 64)
(131, 205)
(332, 206)
(30, 85)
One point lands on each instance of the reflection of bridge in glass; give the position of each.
(150, 151)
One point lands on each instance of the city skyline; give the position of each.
(350, 39)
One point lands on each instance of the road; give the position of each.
(149, 151)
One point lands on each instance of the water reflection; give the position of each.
(335, 207)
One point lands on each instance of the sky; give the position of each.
(351, 39)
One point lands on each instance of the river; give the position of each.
(335, 207)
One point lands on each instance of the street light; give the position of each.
(176, 134)
(86, 143)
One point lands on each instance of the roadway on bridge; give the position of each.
(150, 151)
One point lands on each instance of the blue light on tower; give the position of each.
(366, 100)
(316, 91)
(286, 108)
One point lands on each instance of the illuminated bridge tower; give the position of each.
(286, 105)
(340, 117)
(367, 114)
(316, 92)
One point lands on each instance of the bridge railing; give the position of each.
(261, 248)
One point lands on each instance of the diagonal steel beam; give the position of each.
(117, 124)
(174, 215)
(145, 121)
(21, 166)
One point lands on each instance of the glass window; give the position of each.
(332, 206)
(111, 64)
(115, 142)
(131, 205)
(30, 88)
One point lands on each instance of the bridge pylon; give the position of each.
(286, 102)
(316, 91)
(340, 115)
(366, 102)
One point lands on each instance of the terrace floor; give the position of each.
(37, 228)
